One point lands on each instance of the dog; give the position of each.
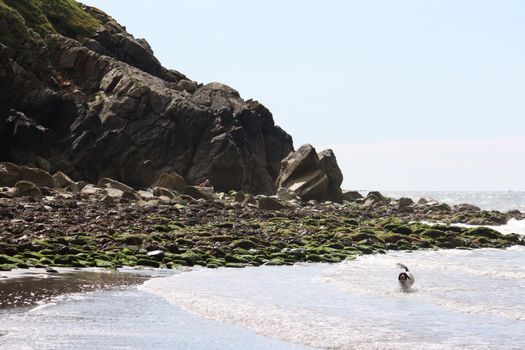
(405, 279)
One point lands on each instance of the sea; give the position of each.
(461, 299)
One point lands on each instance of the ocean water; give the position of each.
(489, 200)
(462, 299)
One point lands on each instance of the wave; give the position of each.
(295, 324)
(358, 305)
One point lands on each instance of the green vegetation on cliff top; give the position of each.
(43, 17)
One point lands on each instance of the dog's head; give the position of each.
(403, 278)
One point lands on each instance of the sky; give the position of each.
(410, 94)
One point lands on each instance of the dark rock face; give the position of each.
(311, 175)
(103, 106)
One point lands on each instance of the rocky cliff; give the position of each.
(79, 94)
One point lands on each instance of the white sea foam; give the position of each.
(512, 226)
(358, 305)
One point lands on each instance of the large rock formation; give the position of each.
(311, 175)
(79, 94)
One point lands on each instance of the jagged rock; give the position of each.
(269, 203)
(172, 181)
(303, 173)
(352, 196)
(97, 103)
(26, 188)
(113, 40)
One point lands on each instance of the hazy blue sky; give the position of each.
(411, 95)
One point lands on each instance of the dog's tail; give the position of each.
(402, 266)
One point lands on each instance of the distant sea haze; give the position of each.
(487, 200)
(493, 164)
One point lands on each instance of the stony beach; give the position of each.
(103, 227)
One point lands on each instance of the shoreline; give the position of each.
(32, 287)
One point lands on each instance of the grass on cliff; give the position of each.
(43, 17)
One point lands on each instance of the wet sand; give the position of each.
(26, 287)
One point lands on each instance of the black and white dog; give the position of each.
(406, 279)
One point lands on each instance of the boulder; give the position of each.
(131, 196)
(172, 181)
(404, 202)
(328, 163)
(465, 207)
(164, 192)
(287, 195)
(239, 197)
(61, 180)
(37, 176)
(297, 163)
(269, 203)
(197, 192)
(312, 185)
(114, 184)
(249, 199)
(27, 189)
(352, 196)
(425, 200)
(92, 191)
(309, 177)
(378, 195)
(371, 201)
(438, 207)
(146, 195)
(10, 174)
